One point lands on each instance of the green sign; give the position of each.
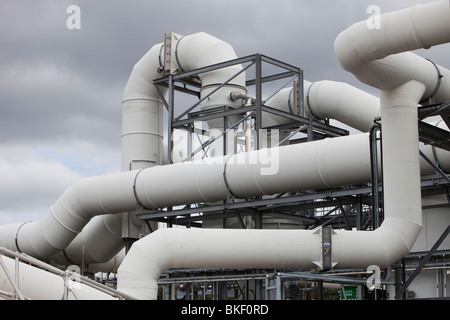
(349, 293)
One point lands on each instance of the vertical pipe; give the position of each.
(300, 99)
(258, 97)
(402, 196)
(170, 119)
(374, 152)
(279, 287)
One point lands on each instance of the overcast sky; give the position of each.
(61, 89)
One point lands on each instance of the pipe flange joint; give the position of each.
(16, 240)
(438, 84)
(225, 176)
(326, 248)
(138, 202)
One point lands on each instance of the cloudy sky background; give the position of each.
(61, 90)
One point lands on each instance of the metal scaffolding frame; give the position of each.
(356, 206)
(187, 82)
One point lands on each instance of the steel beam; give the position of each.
(422, 264)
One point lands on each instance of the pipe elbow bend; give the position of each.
(396, 240)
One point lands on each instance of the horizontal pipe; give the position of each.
(326, 163)
(328, 99)
(213, 248)
(417, 27)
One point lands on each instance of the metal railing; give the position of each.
(69, 277)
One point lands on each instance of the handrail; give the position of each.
(66, 274)
(17, 294)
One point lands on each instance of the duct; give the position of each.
(329, 99)
(266, 171)
(351, 106)
(401, 187)
(200, 50)
(108, 266)
(374, 56)
(107, 194)
(342, 102)
(97, 243)
(401, 91)
(142, 116)
(211, 248)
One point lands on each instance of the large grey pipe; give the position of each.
(328, 99)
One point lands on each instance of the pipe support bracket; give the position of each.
(326, 248)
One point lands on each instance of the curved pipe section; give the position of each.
(213, 248)
(107, 194)
(375, 56)
(201, 50)
(401, 187)
(99, 241)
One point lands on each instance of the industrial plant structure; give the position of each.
(260, 184)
